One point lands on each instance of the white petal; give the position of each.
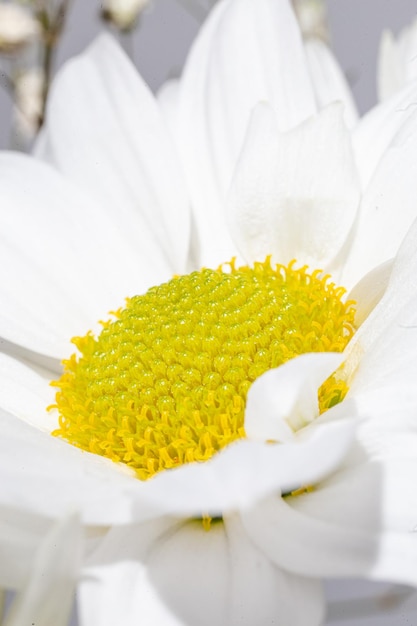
(261, 593)
(224, 78)
(365, 495)
(391, 75)
(47, 596)
(329, 83)
(383, 349)
(311, 546)
(65, 262)
(168, 96)
(26, 394)
(47, 477)
(295, 195)
(390, 434)
(235, 478)
(113, 142)
(20, 536)
(245, 471)
(182, 578)
(385, 354)
(285, 399)
(369, 291)
(376, 130)
(388, 206)
(176, 574)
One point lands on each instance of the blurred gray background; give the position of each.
(159, 49)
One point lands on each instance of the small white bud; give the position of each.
(17, 28)
(123, 13)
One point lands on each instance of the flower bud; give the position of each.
(17, 28)
(123, 13)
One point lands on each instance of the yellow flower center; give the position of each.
(165, 383)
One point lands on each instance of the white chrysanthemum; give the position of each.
(120, 207)
(397, 62)
(17, 27)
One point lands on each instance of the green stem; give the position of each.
(52, 27)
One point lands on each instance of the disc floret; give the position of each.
(166, 380)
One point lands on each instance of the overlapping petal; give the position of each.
(329, 83)
(224, 78)
(105, 494)
(182, 574)
(73, 260)
(295, 195)
(388, 208)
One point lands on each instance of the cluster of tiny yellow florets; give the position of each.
(165, 383)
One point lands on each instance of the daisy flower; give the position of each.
(238, 432)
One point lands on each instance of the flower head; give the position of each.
(213, 385)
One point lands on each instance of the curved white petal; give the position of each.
(377, 129)
(65, 261)
(369, 290)
(314, 546)
(165, 572)
(180, 579)
(388, 206)
(242, 473)
(285, 399)
(113, 142)
(338, 499)
(48, 594)
(329, 83)
(384, 354)
(383, 349)
(235, 478)
(295, 195)
(261, 592)
(225, 76)
(47, 477)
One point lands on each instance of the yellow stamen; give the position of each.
(165, 383)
